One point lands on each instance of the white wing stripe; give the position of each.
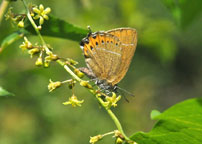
(109, 51)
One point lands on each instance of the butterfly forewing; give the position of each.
(102, 54)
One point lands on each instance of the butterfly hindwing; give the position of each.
(128, 38)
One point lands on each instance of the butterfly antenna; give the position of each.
(129, 93)
(90, 31)
(123, 94)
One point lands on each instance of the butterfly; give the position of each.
(108, 55)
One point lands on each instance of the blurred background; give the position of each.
(165, 70)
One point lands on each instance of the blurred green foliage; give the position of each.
(165, 70)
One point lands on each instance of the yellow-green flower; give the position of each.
(112, 101)
(73, 101)
(39, 61)
(33, 51)
(119, 141)
(26, 44)
(41, 13)
(53, 85)
(51, 57)
(85, 84)
(72, 62)
(21, 24)
(78, 73)
(95, 139)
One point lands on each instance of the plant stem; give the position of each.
(3, 7)
(109, 133)
(117, 123)
(69, 70)
(109, 111)
(114, 118)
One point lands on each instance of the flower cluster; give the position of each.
(15, 18)
(44, 58)
(117, 134)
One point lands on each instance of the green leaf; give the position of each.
(11, 38)
(56, 27)
(180, 124)
(4, 92)
(154, 114)
(184, 11)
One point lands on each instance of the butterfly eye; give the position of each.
(107, 41)
(111, 41)
(82, 43)
(96, 43)
(102, 42)
(116, 44)
(91, 47)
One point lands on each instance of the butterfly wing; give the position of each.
(103, 54)
(128, 38)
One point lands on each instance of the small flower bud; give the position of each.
(119, 141)
(93, 91)
(46, 63)
(72, 62)
(39, 27)
(118, 134)
(33, 51)
(32, 14)
(49, 53)
(21, 24)
(26, 44)
(98, 95)
(39, 62)
(48, 58)
(53, 56)
(23, 46)
(78, 73)
(86, 84)
(95, 139)
(53, 85)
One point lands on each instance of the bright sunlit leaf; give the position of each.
(4, 92)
